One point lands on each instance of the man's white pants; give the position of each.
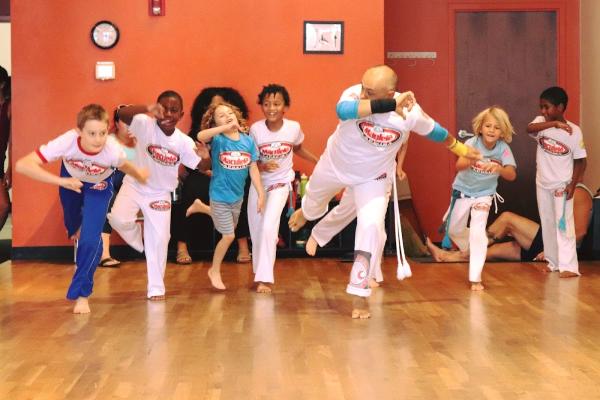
(473, 239)
(264, 229)
(156, 209)
(560, 248)
(336, 220)
(370, 199)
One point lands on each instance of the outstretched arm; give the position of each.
(31, 166)
(354, 109)
(139, 174)
(304, 153)
(535, 127)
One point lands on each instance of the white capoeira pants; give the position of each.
(156, 209)
(337, 219)
(370, 199)
(560, 248)
(264, 229)
(473, 239)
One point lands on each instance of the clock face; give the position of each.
(105, 34)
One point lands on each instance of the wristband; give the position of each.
(459, 148)
(438, 133)
(383, 106)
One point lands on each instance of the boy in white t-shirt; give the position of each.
(89, 158)
(160, 148)
(561, 162)
(277, 139)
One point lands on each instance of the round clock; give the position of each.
(105, 34)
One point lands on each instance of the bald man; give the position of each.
(375, 121)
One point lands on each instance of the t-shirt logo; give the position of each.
(275, 150)
(100, 186)
(160, 205)
(378, 135)
(480, 165)
(87, 167)
(162, 155)
(553, 146)
(235, 159)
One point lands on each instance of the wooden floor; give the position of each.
(528, 336)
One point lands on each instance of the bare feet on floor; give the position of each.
(215, 279)
(311, 246)
(373, 283)
(476, 286)
(435, 251)
(197, 207)
(297, 220)
(567, 274)
(81, 306)
(263, 288)
(160, 297)
(360, 308)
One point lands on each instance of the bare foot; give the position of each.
(373, 283)
(360, 308)
(160, 297)
(435, 251)
(476, 286)
(81, 306)
(263, 288)
(215, 279)
(311, 246)
(297, 220)
(567, 274)
(197, 207)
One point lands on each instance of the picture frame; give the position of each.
(323, 37)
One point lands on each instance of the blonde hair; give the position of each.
(91, 112)
(500, 116)
(208, 120)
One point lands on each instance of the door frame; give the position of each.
(567, 44)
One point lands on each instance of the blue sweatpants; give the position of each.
(86, 210)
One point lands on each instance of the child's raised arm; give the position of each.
(535, 127)
(206, 135)
(31, 166)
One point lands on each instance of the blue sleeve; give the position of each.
(438, 133)
(347, 109)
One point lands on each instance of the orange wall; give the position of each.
(428, 26)
(199, 43)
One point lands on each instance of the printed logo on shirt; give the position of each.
(100, 186)
(378, 135)
(160, 205)
(553, 147)
(275, 150)
(87, 167)
(481, 164)
(162, 155)
(235, 159)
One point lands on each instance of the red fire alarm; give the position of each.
(156, 8)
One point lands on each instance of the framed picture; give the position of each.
(323, 37)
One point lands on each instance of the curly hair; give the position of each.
(204, 98)
(273, 88)
(500, 116)
(208, 120)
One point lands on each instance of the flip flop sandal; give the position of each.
(109, 262)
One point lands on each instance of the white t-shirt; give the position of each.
(556, 151)
(277, 146)
(85, 166)
(160, 154)
(362, 149)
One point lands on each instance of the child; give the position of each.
(561, 161)
(475, 186)
(233, 153)
(277, 139)
(89, 158)
(160, 147)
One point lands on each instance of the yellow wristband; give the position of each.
(458, 148)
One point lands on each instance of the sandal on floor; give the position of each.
(244, 259)
(109, 262)
(183, 258)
